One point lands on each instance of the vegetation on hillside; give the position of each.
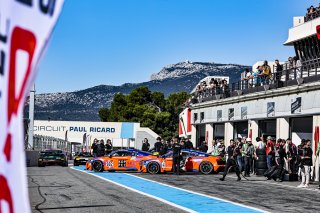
(151, 109)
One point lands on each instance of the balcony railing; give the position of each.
(311, 16)
(290, 76)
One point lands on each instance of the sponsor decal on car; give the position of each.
(109, 163)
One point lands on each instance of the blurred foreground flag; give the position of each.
(25, 27)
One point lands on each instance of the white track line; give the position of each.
(212, 197)
(134, 190)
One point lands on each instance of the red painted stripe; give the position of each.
(189, 121)
(318, 32)
(180, 128)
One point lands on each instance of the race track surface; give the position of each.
(59, 189)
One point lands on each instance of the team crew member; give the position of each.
(158, 145)
(101, 149)
(94, 148)
(188, 144)
(176, 152)
(109, 147)
(232, 154)
(145, 145)
(306, 163)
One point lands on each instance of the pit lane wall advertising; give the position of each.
(122, 134)
(25, 30)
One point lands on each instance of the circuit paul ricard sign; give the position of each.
(74, 130)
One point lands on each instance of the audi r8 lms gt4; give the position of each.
(52, 157)
(82, 158)
(119, 160)
(191, 161)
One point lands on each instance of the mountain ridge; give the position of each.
(83, 105)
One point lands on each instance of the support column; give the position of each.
(253, 127)
(316, 159)
(194, 135)
(228, 133)
(282, 128)
(31, 117)
(209, 133)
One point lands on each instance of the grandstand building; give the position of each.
(287, 105)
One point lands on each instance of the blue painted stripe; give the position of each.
(180, 197)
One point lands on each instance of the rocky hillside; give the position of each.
(84, 105)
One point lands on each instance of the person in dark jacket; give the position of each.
(164, 148)
(109, 147)
(233, 152)
(94, 147)
(176, 154)
(145, 145)
(204, 147)
(101, 149)
(306, 162)
(158, 145)
(188, 144)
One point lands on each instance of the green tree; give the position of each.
(151, 109)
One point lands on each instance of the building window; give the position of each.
(201, 116)
(195, 117)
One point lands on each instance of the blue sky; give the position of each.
(118, 41)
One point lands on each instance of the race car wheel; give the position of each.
(74, 164)
(206, 168)
(153, 168)
(97, 166)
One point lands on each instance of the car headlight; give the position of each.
(62, 158)
(77, 159)
(40, 159)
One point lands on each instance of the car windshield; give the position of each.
(84, 154)
(52, 155)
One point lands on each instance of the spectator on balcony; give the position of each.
(266, 73)
(279, 69)
(248, 78)
(255, 77)
(297, 66)
(311, 13)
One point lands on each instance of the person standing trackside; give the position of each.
(109, 147)
(94, 148)
(158, 145)
(101, 149)
(306, 163)
(188, 144)
(145, 145)
(231, 162)
(176, 154)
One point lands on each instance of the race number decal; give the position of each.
(109, 163)
(163, 164)
(122, 163)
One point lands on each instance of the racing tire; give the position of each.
(260, 151)
(97, 166)
(153, 168)
(261, 164)
(261, 158)
(206, 168)
(260, 172)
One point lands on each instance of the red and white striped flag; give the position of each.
(25, 28)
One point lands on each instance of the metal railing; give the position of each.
(289, 76)
(42, 143)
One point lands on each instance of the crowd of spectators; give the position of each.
(162, 146)
(264, 74)
(312, 13)
(214, 87)
(282, 157)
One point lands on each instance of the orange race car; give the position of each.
(191, 161)
(119, 160)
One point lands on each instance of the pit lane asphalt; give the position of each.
(61, 189)
(57, 189)
(257, 192)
